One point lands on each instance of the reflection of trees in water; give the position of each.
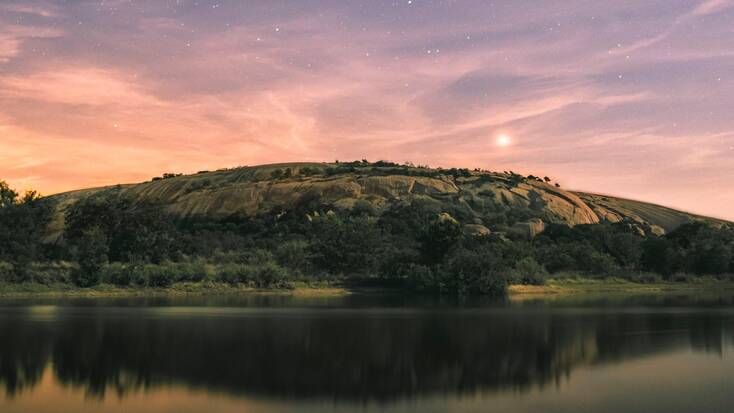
(24, 354)
(352, 356)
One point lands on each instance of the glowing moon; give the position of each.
(504, 140)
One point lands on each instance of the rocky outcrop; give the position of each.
(251, 191)
(530, 229)
(476, 230)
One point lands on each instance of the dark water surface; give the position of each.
(359, 354)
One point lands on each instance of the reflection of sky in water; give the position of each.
(677, 382)
(43, 312)
(504, 358)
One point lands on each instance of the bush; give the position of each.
(92, 256)
(346, 246)
(441, 235)
(625, 248)
(527, 271)
(590, 261)
(419, 276)
(236, 273)
(658, 256)
(293, 255)
(471, 272)
(160, 276)
(600, 263)
(271, 275)
(118, 274)
(154, 275)
(710, 257)
(643, 278)
(253, 256)
(555, 258)
(7, 272)
(191, 271)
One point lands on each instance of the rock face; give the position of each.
(250, 191)
(476, 230)
(530, 229)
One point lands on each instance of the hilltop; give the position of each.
(452, 231)
(482, 201)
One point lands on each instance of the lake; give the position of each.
(670, 353)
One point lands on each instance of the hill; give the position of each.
(481, 201)
(448, 231)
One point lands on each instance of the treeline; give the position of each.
(110, 238)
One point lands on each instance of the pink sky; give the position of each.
(632, 98)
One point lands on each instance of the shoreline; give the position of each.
(552, 289)
(564, 288)
(37, 291)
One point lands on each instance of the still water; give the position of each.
(361, 354)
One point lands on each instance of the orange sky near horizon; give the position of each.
(632, 99)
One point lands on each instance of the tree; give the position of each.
(473, 272)
(346, 246)
(709, 257)
(23, 225)
(658, 256)
(528, 271)
(277, 174)
(92, 256)
(133, 231)
(625, 248)
(8, 197)
(443, 233)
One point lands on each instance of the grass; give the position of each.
(567, 284)
(564, 284)
(35, 290)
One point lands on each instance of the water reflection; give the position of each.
(343, 351)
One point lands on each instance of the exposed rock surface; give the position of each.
(530, 229)
(250, 191)
(476, 230)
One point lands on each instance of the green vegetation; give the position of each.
(113, 238)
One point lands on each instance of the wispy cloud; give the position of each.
(710, 7)
(605, 96)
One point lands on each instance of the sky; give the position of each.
(630, 98)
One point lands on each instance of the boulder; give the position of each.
(530, 228)
(476, 230)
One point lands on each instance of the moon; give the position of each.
(503, 140)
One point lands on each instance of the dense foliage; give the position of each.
(110, 238)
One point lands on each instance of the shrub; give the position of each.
(420, 277)
(658, 256)
(118, 274)
(154, 275)
(271, 275)
(555, 258)
(161, 276)
(268, 275)
(710, 257)
(527, 271)
(7, 272)
(293, 255)
(235, 273)
(362, 207)
(191, 271)
(625, 248)
(442, 234)
(92, 255)
(471, 272)
(346, 246)
(253, 256)
(643, 278)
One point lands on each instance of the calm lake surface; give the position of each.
(361, 354)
